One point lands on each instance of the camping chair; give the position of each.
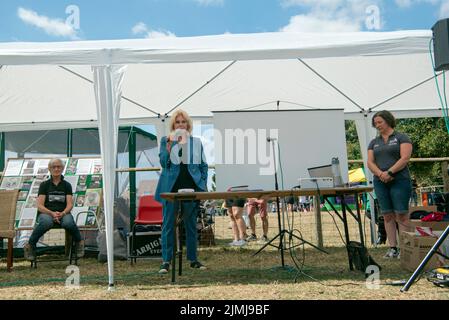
(70, 250)
(89, 225)
(70, 244)
(8, 202)
(149, 215)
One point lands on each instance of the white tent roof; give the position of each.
(52, 86)
(49, 85)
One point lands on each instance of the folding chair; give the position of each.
(149, 213)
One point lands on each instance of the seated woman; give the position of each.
(54, 203)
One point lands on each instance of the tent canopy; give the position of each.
(85, 141)
(83, 84)
(49, 85)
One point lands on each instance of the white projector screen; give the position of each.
(305, 138)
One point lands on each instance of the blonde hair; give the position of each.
(52, 161)
(185, 115)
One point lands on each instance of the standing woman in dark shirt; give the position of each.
(183, 167)
(388, 157)
(54, 203)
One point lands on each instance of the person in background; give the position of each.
(183, 167)
(304, 203)
(261, 204)
(290, 204)
(238, 225)
(54, 203)
(388, 157)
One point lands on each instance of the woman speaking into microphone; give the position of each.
(183, 167)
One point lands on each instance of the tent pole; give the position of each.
(365, 132)
(132, 176)
(69, 143)
(2, 151)
(108, 88)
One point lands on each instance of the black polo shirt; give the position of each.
(387, 154)
(55, 195)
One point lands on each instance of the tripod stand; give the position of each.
(282, 232)
(426, 259)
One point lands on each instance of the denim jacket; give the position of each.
(170, 163)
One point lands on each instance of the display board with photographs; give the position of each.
(26, 175)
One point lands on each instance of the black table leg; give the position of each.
(173, 261)
(345, 225)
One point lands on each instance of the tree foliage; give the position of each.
(430, 140)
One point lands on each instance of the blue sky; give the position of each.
(60, 20)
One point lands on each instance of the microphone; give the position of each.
(271, 139)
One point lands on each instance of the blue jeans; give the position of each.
(45, 222)
(189, 214)
(393, 197)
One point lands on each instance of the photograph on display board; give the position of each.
(28, 218)
(71, 167)
(82, 183)
(91, 219)
(31, 202)
(36, 183)
(84, 166)
(42, 167)
(19, 207)
(26, 184)
(92, 197)
(28, 168)
(97, 168)
(13, 168)
(34, 191)
(95, 182)
(11, 183)
(73, 180)
(80, 198)
(23, 195)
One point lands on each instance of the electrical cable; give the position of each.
(300, 263)
(444, 107)
(284, 207)
(333, 218)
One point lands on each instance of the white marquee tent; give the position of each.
(105, 83)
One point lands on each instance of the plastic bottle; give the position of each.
(338, 181)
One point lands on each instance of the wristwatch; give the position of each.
(391, 174)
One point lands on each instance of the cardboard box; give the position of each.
(423, 208)
(434, 225)
(413, 250)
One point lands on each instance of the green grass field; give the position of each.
(233, 273)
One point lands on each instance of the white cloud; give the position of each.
(315, 3)
(403, 3)
(310, 23)
(331, 15)
(207, 3)
(53, 27)
(444, 9)
(409, 3)
(141, 28)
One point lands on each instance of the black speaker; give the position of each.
(441, 44)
